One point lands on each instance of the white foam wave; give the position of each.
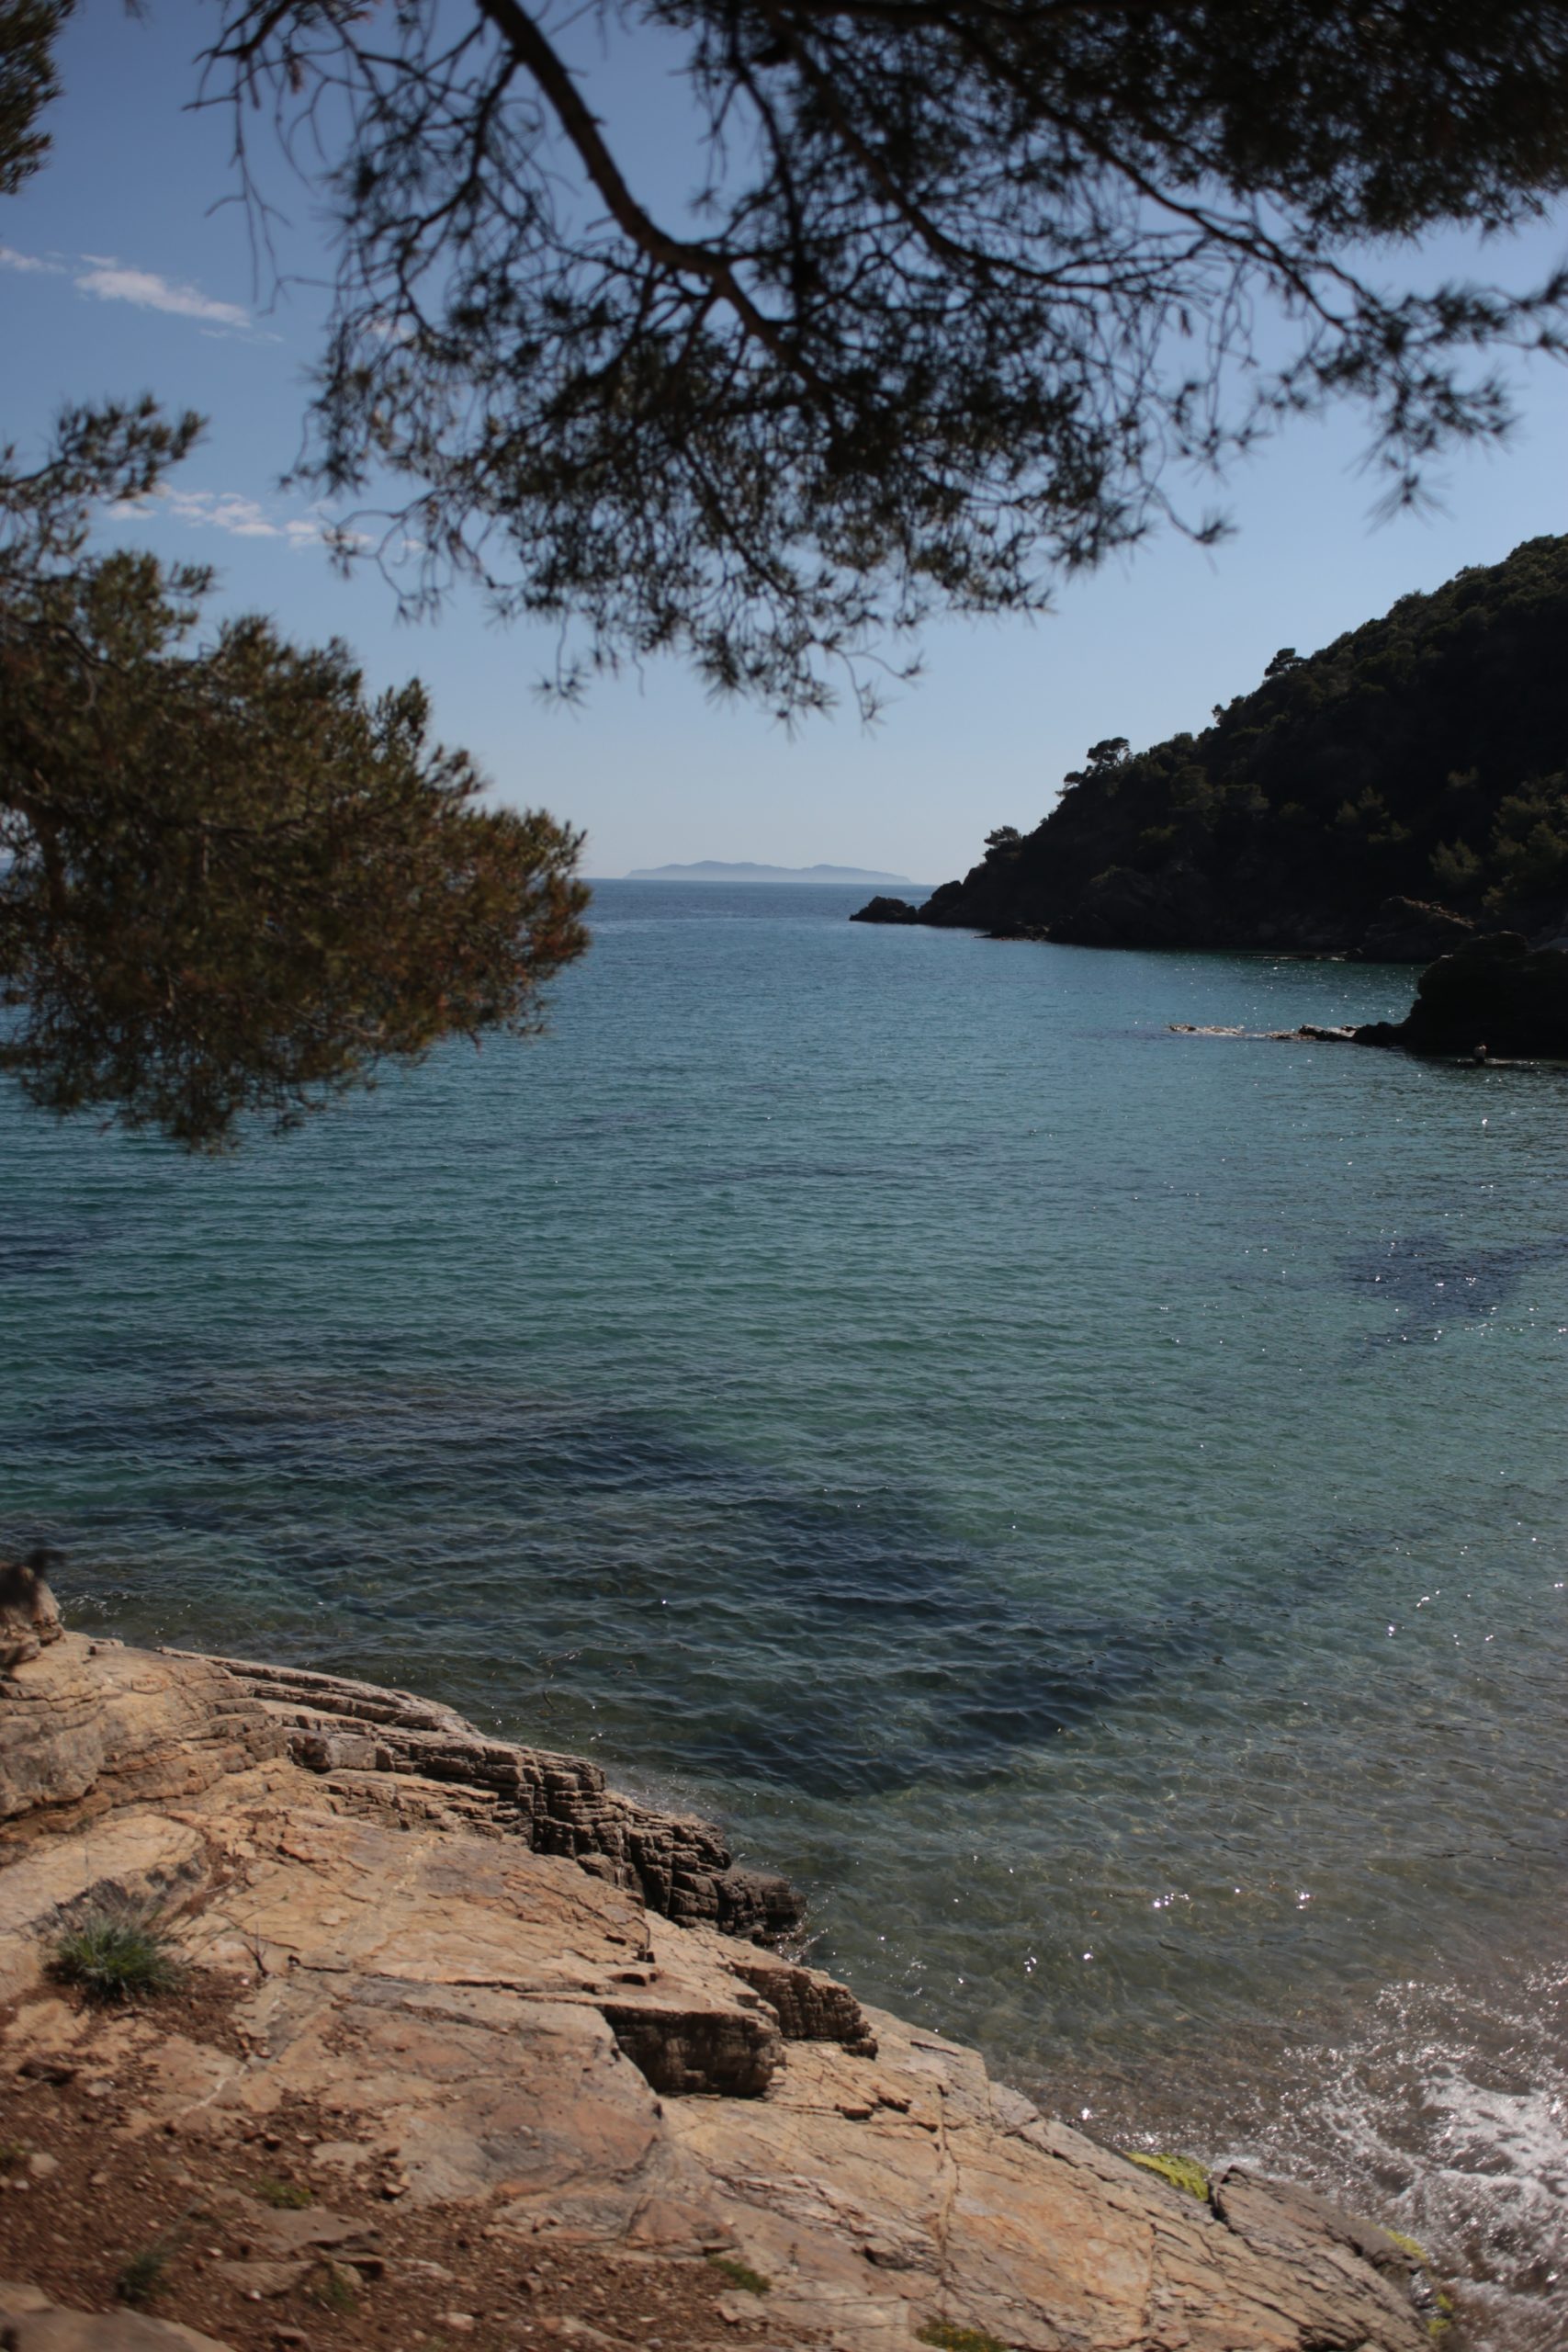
(1453, 2110)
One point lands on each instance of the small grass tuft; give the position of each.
(120, 1953)
(952, 2338)
(289, 2196)
(141, 2277)
(1408, 2246)
(1181, 2172)
(333, 2287)
(741, 2274)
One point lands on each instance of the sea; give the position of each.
(1089, 1502)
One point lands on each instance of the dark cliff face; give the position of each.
(1387, 796)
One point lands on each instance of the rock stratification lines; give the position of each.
(522, 1995)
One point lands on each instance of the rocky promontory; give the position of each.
(462, 2027)
(1387, 796)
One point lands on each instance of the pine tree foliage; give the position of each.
(965, 291)
(28, 80)
(230, 883)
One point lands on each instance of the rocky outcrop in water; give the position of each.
(470, 1973)
(1495, 995)
(884, 910)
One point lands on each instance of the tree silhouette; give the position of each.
(965, 288)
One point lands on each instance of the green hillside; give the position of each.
(1422, 757)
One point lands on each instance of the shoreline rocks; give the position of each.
(559, 1804)
(510, 1989)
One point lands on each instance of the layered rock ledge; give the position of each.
(525, 1998)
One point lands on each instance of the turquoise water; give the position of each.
(1089, 1503)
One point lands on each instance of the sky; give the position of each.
(122, 268)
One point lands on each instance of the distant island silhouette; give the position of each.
(715, 869)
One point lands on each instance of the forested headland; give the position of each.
(1386, 796)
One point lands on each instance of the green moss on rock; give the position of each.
(1408, 2246)
(950, 2337)
(1181, 2172)
(741, 2274)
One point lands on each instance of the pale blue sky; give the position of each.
(120, 277)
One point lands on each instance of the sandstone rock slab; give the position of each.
(31, 2323)
(497, 2028)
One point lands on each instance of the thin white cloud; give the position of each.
(227, 511)
(11, 259)
(109, 280)
(149, 291)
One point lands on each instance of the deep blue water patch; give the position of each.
(1427, 1272)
